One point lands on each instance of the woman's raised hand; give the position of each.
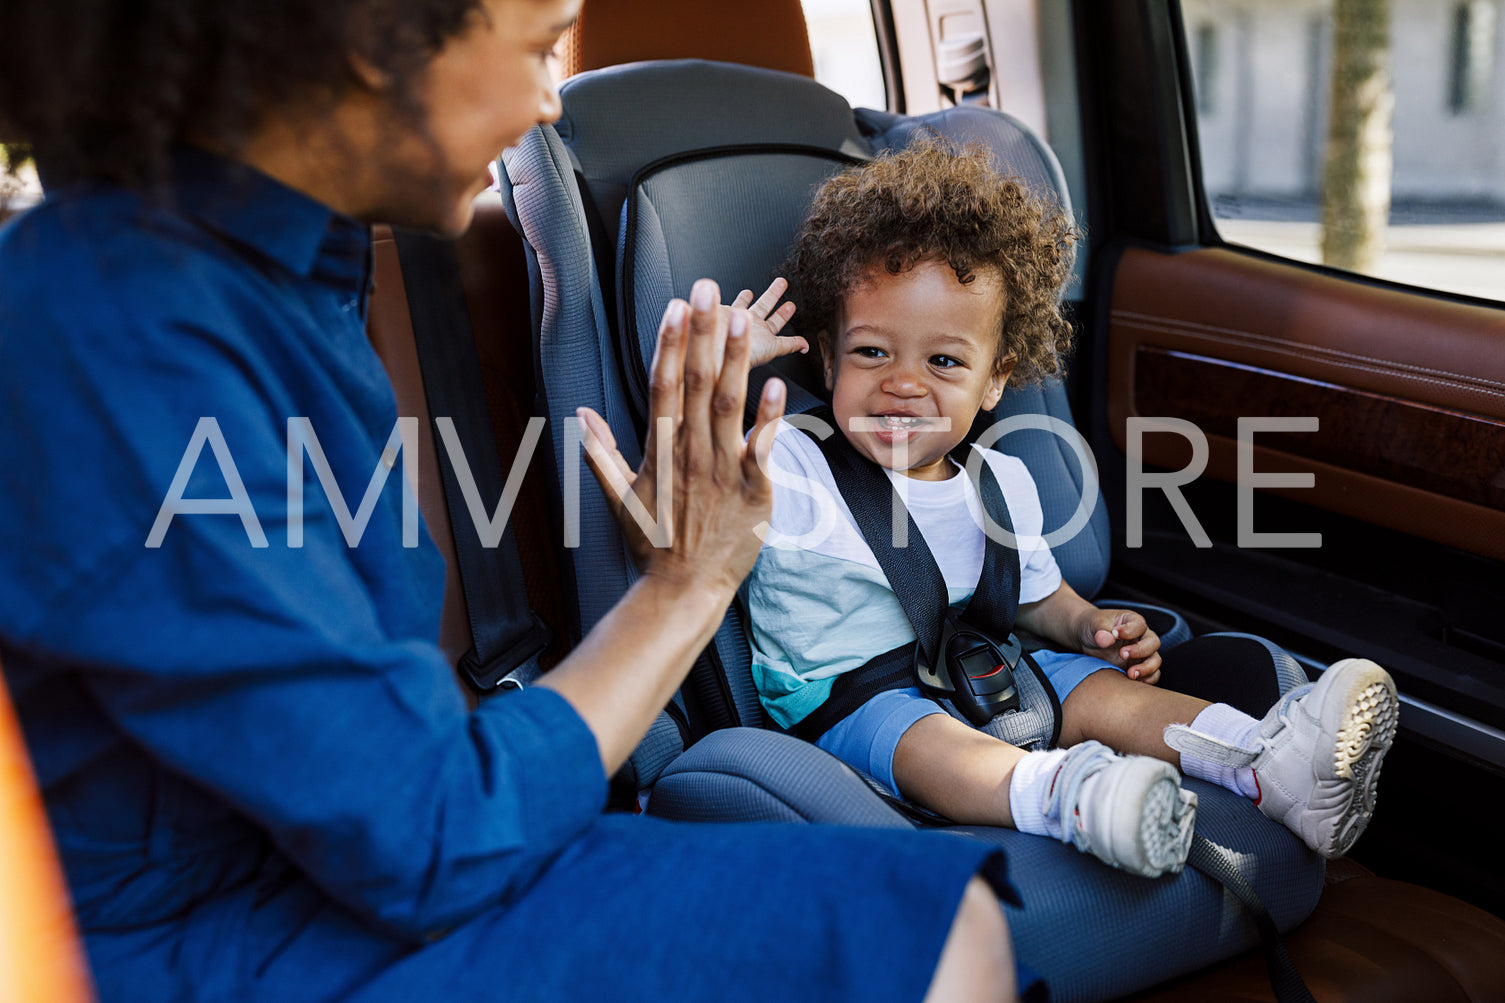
(688, 512)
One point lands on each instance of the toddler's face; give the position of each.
(910, 349)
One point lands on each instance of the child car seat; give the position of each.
(661, 172)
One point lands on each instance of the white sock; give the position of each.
(1226, 724)
(1029, 787)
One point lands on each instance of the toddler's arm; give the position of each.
(1118, 636)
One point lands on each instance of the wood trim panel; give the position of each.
(1432, 448)
(1409, 389)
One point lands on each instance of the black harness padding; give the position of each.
(917, 583)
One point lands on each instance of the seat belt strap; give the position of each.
(995, 602)
(508, 636)
(1217, 863)
(892, 670)
(911, 570)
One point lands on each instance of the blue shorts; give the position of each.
(866, 738)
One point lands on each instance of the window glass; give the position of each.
(845, 46)
(1363, 134)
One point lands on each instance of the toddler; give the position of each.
(931, 283)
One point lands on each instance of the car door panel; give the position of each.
(1408, 391)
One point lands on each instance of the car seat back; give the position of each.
(661, 172)
(770, 33)
(687, 168)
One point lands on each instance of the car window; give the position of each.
(1361, 135)
(845, 47)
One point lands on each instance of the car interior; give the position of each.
(692, 138)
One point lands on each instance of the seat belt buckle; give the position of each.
(980, 672)
(514, 667)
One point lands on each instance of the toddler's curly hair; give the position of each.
(930, 202)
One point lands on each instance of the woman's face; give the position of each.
(484, 89)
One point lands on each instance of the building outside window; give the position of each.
(1263, 74)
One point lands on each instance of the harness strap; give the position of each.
(911, 570)
(920, 588)
(1217, 863)
(892, 670)
(995, 602)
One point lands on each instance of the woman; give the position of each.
(260, 775)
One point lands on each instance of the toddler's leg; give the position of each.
(956, 770)
(1311, 764)
(1132, 717)
(1127, 811)
(1126, 715)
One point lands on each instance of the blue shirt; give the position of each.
(206, 711)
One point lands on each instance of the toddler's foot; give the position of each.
(1317, 753)
(1128, 811)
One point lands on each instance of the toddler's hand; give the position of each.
(765, 323)
(1123, 638)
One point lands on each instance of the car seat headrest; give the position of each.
(771, 34)
(729, 214)
(1015, 148)
(619, 119)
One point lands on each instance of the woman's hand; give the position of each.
(765, 322)
(688, 515)
(688, 512)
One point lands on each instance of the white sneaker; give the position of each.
(1133, 814)
(1317, 755)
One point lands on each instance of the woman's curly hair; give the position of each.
(102, 89)
(930, 202)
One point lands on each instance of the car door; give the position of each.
(1340, 436)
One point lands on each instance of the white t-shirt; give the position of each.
(818, 601)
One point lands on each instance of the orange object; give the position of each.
(41, 959)
(771, 34)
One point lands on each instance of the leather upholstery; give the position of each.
(494, 274)
(40, 957)
(391, 331)
(770, 33)
(1371, 940)
(1417, 359)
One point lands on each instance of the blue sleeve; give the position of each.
(293, 684)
